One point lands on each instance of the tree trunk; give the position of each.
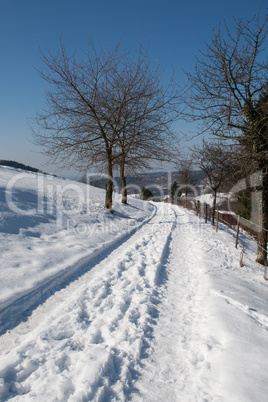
(214, 207)
(109, 184)
(123, 182)
(262, 236)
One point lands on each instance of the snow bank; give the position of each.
(48, 225)
(208, 198)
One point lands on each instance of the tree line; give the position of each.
(113, 110)
(228, 95)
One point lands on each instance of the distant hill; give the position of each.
(153, 181)
(18, 165)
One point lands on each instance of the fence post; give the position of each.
(241, 256)
(200, 206)
(217, 221)
(197, 207)
(265, 269)
(237, 231)
(206, 213)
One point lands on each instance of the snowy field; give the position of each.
(146, 304)
(208, 199)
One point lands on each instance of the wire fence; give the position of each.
(255, 224)
(234, 221)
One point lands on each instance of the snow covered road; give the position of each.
(86, 341)
(180, 359)
(148, 322)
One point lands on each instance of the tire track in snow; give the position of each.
(99, 326)
(179, 356)
(21, 307)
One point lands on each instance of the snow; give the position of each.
(147, 304)
(48, 225)
(207, 198)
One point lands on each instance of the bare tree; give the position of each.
(228, 94)
(217, 162)
(104, 109)
(139, 148)
(149, 112)
(81, 115)
(185, 176)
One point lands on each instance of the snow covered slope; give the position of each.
(162, 312)
(51, 227)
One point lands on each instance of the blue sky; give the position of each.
(174, 30)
